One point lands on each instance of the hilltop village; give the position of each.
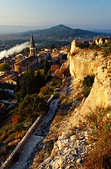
(22, 62)
(60, 108)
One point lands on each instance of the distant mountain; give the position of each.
(56, 33)
(61, 33)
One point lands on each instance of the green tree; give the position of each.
(5, 67)
(31, 106)
(31, 83)
(46, 67)
(28, 81)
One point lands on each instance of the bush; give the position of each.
(100, 154)
(56, 95)
(87, 84)
(29, 109)
(62, 97)
(88, 81)
(94, 46)
(107, 50)
(5, 67)
(55, 82)
(49, 88)
(46, 90)
(15, 118)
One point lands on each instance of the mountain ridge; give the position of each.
(58, 33)
(61, 32)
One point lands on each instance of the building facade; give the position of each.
(30, 62)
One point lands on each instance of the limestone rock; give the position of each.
(85, 63)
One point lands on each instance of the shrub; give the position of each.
(32, 105)
(5, 67)
(62, 97)
(55, 82)
(94, 46)
(56, 95)
(88, 81)
(87, 84)
(100, 154)
(107, 50)
(15, 118)
(46, 90)
(49, 88)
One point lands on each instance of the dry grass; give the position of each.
(99, 157)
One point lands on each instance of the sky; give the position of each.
(84, 14)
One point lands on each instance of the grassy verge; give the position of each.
(99, 157)
(23, 116)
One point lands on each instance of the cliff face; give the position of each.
(90, 62)
(72, 145)
(100, 94)
(84, 62)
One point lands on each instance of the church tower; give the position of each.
(32, 46)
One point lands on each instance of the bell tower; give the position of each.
(32, 46)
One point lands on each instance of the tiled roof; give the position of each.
(26, 61)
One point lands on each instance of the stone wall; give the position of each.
(18, 148)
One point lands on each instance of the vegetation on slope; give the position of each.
(87, 84)
(4, 67)
(31, 103)
(100, 154)
(106, 48)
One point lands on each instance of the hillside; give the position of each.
(62, 32)
(58, 33)
(80, 134)
(76, 131)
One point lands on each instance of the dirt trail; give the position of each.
(32, 145)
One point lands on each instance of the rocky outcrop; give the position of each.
(68, 152)
(78, 44)
(71, 148)
(63, 71)
(84, 62)
(90, 62)
(100, 94)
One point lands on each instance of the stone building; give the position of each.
(32, 46)
(78, 44)
(30, 62)
(100, 40)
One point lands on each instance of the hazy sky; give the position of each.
(87, 14)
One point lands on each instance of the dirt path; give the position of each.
(32, 145)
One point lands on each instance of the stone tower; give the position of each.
(32, 46)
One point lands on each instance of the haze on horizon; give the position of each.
(22, 15)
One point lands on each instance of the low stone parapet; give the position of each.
(18, 148)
